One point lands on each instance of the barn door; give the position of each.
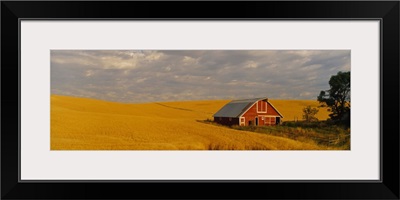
(256, 123)
(242, 121)
(278, 120)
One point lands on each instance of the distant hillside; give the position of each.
(82, 123)
(292, 109)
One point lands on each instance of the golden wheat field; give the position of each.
(89, 124)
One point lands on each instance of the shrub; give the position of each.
(309, 114)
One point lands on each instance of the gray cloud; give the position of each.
(170, 75)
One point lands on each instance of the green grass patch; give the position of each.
(322, 133)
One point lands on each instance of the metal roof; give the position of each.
(237, 107)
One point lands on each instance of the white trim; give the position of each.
(266, 106)
(275, 109)
(269, 115)
(252, 106)
(240, 121)
(257, 121)
(247, 110)
(270, 120)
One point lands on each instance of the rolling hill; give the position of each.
(89, 124)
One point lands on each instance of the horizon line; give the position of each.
(144, 102)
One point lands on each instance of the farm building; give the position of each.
(247, 112)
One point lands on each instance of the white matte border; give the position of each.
(39, 163)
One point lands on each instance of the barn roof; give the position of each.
(237, 107)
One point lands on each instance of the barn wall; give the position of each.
(263, 118)
(267, 120)
(226, 121)
(271, 110)
(261, 106)
(250, 115)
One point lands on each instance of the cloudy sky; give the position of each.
(172, 75)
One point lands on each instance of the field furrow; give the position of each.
(88, 124)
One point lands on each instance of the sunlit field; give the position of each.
(293, 109)
(88, 124)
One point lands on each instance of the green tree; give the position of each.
(337, 98)
(309, 114)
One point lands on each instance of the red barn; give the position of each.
(247, 112)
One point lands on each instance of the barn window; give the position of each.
(261, 106)
(230, 118)
(220, 118)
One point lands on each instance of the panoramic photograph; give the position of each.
(200, 100)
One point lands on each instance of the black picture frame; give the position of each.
(386, 11)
